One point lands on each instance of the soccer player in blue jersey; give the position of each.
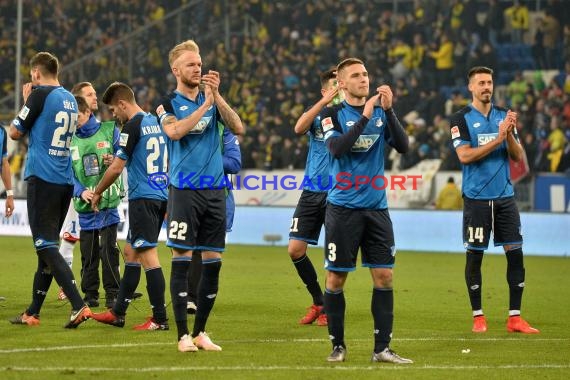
(309, 214)
(5, 174)
(231, 156)
(357, 211)
(49, 116)
(144, 153)
(484, 137)
(196, 199)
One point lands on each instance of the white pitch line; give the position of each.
(262, 341)
(522, 338)
(284, 368)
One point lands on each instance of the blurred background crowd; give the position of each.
(269, 54)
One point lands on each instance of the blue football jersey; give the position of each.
(4, 142)
(195, 159)
(317, 166)
(144, 146)
(488, 178)
(50, 117)
(365, 159)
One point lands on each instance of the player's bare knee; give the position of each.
(296, 249)
(382, 277)
(335, 280)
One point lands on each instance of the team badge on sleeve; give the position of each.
(123, 139)
(327, 124)
(455, 132)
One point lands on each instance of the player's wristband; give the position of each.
(9, 193)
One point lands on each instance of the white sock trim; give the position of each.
(477, 313)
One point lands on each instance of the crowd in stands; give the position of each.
(270, 73)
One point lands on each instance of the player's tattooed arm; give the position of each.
(230, 117)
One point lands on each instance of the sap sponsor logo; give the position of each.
(486, 138)
(201, 125)
(455, 132)
(138, 243)
(24, 113)
(364, 143)
(123, 139)
(327, 124)
(476, 125)
(350, 123)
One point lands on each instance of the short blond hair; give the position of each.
(178, 50)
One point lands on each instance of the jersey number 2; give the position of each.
(155, 146)
(62, 135)
(177, 230)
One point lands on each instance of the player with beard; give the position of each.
(196, 201)
(484, 137)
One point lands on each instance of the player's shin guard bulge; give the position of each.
(473, 278)
(207, 294)
(515, 277)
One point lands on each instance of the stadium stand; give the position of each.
(269, 53)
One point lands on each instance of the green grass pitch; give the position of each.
(256, 315)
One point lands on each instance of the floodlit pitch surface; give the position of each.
(255, 320)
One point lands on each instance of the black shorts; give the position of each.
(47, 207)
(196, 219)
(480, 217)
(309, 217)
(145, 221)
(347, 229)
